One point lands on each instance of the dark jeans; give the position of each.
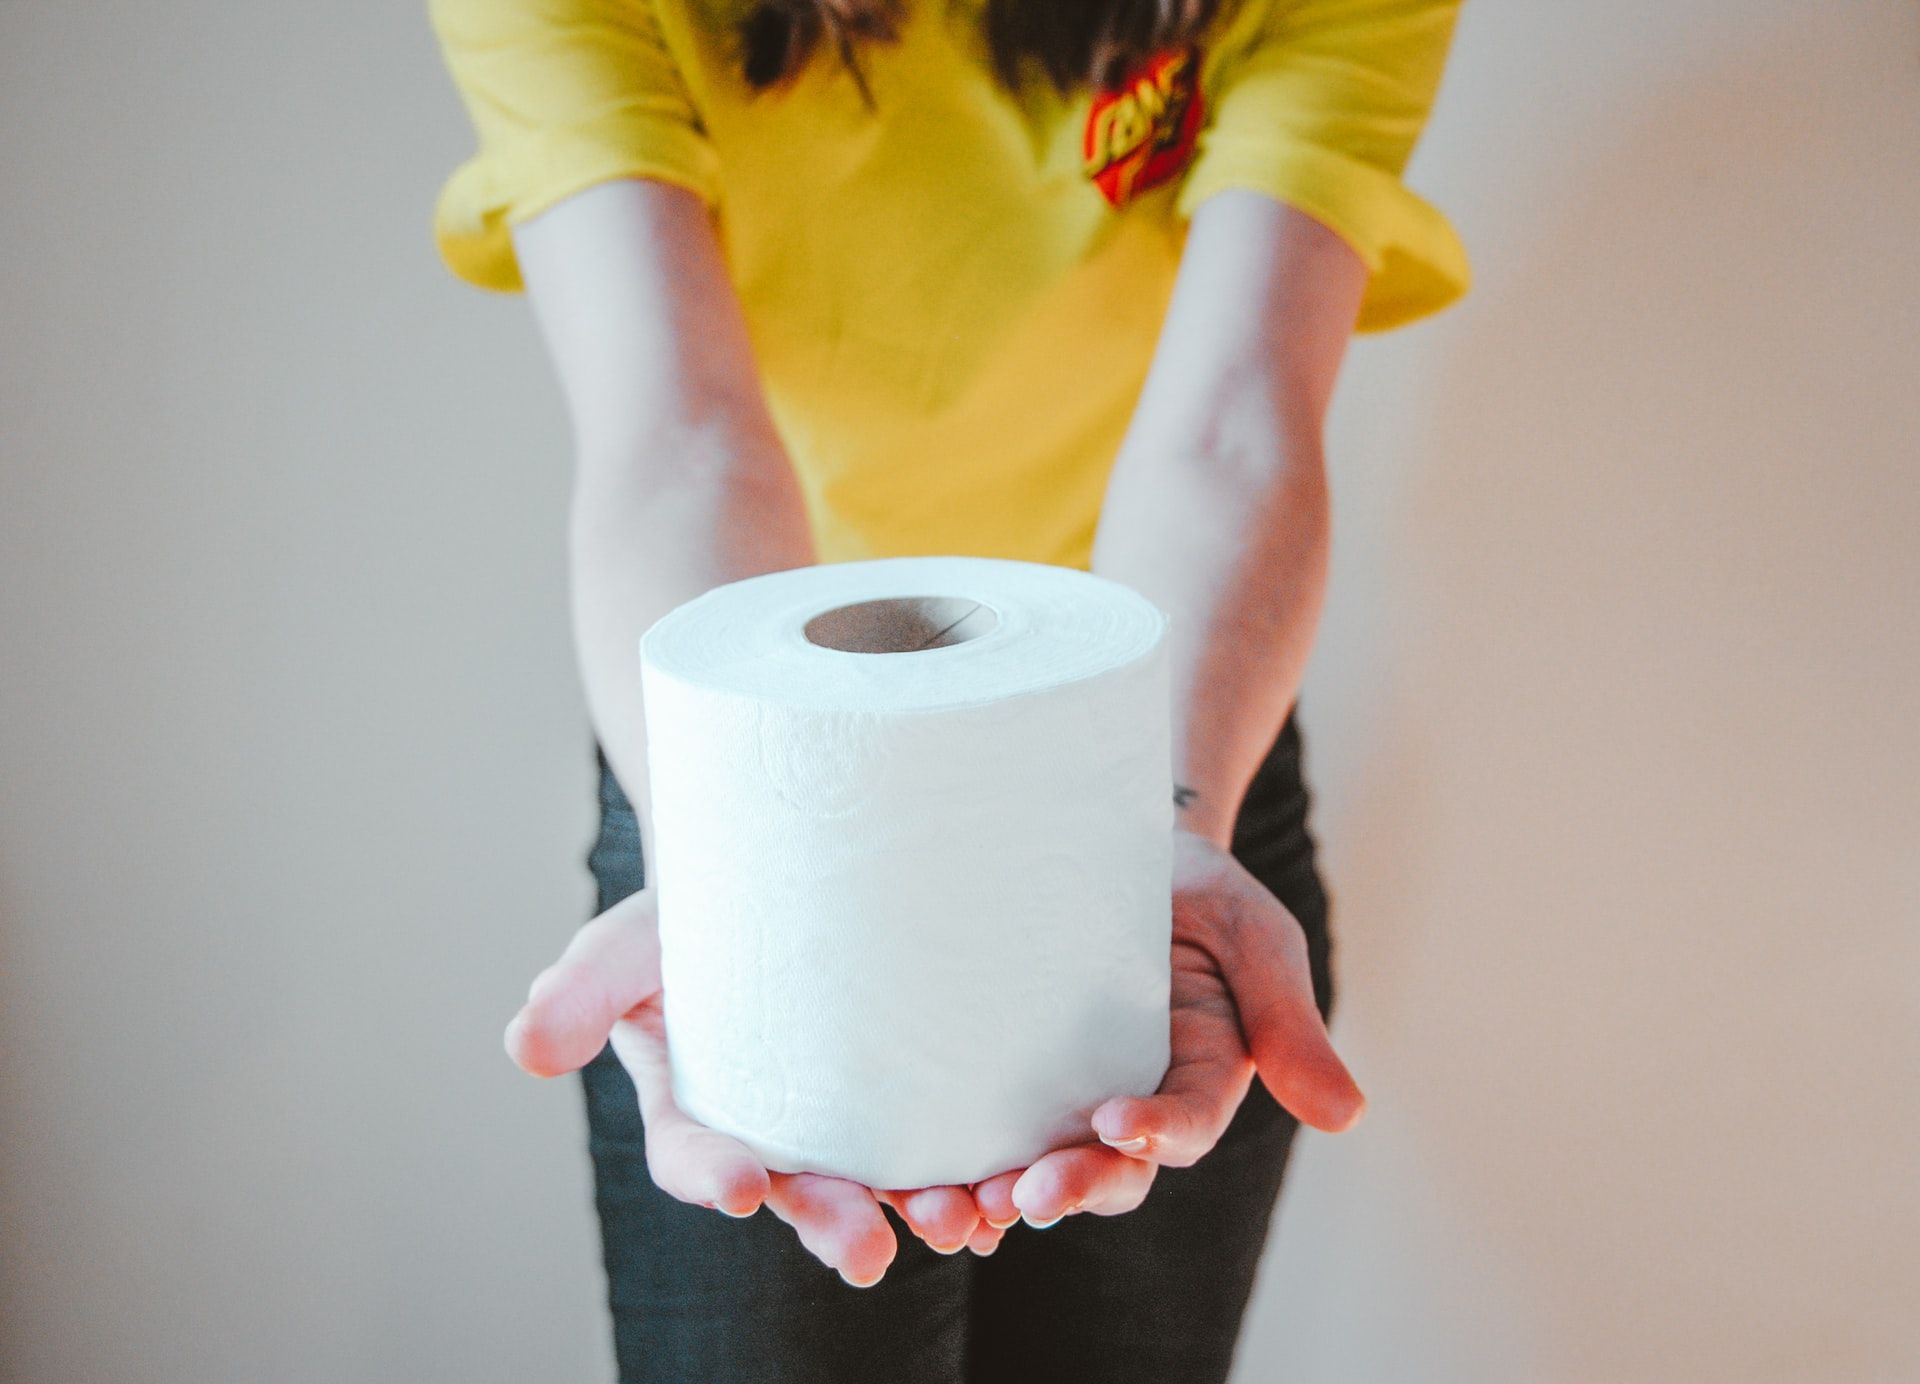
(1154, 1295)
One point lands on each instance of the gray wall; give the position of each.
(1611, 721)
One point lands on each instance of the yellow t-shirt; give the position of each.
(953, 295)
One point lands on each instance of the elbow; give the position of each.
(642, 461)
(1279, 462)
(1255, 437)
(727, 485)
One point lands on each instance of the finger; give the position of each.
(1180, 1122)
(994, 1197)
(985, 1239)
(838, 1221)
(945, 1217)
(1203, 1086)
(610, 965)
(1085, 1178)
(1273, 989)
(685, 1158)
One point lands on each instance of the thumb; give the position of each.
(611, 965)
(1272, 984)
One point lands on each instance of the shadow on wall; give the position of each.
(1640, 845)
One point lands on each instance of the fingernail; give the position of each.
(1014, 1219)
(946, 1249)
(1042, 1225)
(983, 1253)
(737, 1215)
(1133, 1145)
(853, 1282)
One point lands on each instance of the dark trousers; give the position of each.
(1153, 1295)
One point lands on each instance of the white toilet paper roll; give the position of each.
(912, 828)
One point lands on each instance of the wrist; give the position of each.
(1197, 814)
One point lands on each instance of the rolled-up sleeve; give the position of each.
(563, 94)
(1321, 109)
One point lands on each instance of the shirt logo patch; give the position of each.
(1142, 134)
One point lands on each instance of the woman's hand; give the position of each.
(1242, 1002)
(606, 987)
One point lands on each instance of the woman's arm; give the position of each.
(681, 484)
(1217, 509)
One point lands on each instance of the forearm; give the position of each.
(1237, 557)
(1218, 505)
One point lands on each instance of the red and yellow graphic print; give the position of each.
(1142, 134)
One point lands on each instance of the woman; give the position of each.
(1066, 281)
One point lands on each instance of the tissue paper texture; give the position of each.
(914, 905)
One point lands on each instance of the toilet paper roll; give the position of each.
(912, 827)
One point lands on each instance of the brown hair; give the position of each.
(1073, 42)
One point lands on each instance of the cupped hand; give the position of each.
(1242, 1002)
(606, 987)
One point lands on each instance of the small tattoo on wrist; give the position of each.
(1184, 796)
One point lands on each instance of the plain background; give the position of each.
(1612, 724)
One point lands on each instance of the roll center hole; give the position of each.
(901, 624)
